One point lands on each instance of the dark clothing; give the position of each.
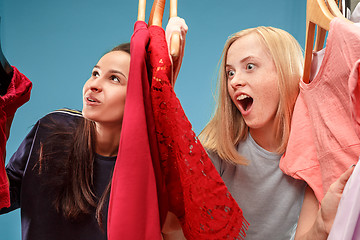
(32, 192)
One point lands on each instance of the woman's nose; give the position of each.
(96, 85)
(95, 89)
(237, 81)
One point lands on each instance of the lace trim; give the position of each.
(200, 199)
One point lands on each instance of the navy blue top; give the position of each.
(29, 191)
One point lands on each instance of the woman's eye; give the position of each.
(230, 73)
(95, 74)
(250, 66)
(115, 79)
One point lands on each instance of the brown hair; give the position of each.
(227, 127)
(72, 187)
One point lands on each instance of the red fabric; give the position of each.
(133, 207)
(197, 194)
(18, 93)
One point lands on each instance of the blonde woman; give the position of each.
(258, 85)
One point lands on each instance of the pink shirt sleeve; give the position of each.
(300, 160)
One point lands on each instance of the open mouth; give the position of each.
(90, 100)
(245, 101)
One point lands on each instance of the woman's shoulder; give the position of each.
(62, 117)
(216, 160)
(64, 113)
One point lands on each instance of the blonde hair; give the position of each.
(227, 127)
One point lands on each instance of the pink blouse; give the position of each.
(323, 143)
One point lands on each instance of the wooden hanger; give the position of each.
(141, 10)
(175, 37)
(155, 18)
(157, 12)
(334, 9)
(156, 15)
(317, 13)
(321, 33)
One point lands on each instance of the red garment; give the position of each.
(133, 207)
(18, 93)
(197, 194)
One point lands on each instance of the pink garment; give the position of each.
(133, 208)
(354, 88)
(323, 143)
(346, 224)
(18, 93)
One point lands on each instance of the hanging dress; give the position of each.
(134, 208)
(346, 225)
(197, 194)
(17, 94)
(322, 142)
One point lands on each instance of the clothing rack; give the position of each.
(319, 14)
(155, 18)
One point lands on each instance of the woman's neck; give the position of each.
(107, 140)
(265, 138)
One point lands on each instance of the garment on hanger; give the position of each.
(355, 15)
(322, 142)
(134, 208)
(346, 10)
(317, 58)
(17, 94)
(197, 194)
(354, 88)
(346, 225)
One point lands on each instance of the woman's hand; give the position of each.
(172, 228)
(315, 223)
(176, 25)
(331, 200)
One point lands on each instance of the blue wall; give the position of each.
(56, 44)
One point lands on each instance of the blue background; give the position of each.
(56, 44)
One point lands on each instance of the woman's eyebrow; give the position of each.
(112, 71)
(247, 58)
(119, 72)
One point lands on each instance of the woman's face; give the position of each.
(105, 91)
(253, 82)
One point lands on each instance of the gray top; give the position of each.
(271, 201)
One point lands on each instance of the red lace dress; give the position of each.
(18, 93)
(197, 194)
